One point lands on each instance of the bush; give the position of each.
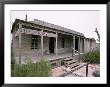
(39, 69)
(92, 57)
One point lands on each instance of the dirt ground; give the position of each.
(78, 73)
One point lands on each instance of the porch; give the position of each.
(49, 57)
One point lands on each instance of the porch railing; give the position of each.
(73, 54)
(76, 51)
(70, 72)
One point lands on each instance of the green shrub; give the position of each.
(39, 69)
(92, 57)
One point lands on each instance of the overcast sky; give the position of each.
(81, 21)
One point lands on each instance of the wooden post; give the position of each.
(79, 50)
(79, 45)
(84, 45)
(56, 44)
(72, 51)
(74, 43)
(20, 43)
(42, 43)
(86, 70)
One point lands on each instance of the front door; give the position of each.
(51, 45)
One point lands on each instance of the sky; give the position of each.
(81, 21)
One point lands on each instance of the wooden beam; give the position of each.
(84, 45)
(20, 43)
(76, 68)
(42, 44)
(87, 70)
(79, 45)
(74, 41)
(56, 44)
(48, 29)
(73, 51)
(35, 32)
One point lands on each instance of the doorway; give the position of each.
(51, 45)
(76, 43)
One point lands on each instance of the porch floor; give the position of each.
(34, 58)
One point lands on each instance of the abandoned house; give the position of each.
(36, 39)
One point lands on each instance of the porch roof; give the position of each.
(48, 25)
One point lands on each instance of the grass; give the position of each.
(92, 57)
(38, 69)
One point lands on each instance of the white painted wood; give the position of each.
(79, 44)
(20, 44)
(42, 44)
(56, 44)
(84, 45)
(35, 32)
(74, 41)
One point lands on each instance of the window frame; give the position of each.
(34, 42)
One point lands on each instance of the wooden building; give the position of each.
(37, 39)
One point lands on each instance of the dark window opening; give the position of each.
(51, 45)
(76, 43)
(34, 42)
(62, 42)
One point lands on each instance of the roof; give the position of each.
(49, 25)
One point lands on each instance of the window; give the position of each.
(34, 42)
(62, 42)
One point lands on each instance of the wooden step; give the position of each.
(67, 59)
(74, 65)
(70, 62)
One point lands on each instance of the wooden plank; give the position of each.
(74, 65)
(70, 62)
(55, 61)
(67, 59)
(35, 32)
(42, 44)
(85, 45)
(20, 44)
(56, 44)
(79, 45)
(74, 69)
(86, 70)
(17, 33)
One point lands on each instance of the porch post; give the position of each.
(84, 45)
(42, 43)
(56, 44)
(74, 41)
(73, 51)
(20, 44)
(79, 45)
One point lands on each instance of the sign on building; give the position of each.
(34, 32)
